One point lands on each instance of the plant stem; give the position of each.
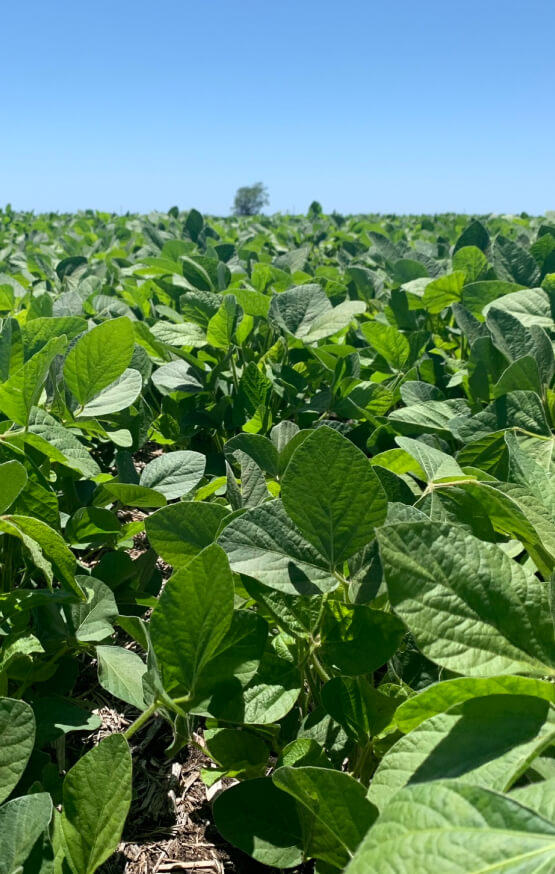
(319, 668)
(140, 721)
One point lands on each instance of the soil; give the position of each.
(170, 825)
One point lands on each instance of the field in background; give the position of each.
(276, 543)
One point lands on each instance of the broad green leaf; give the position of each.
(333, 495)
(294, 311)
(59, 443)
(259, 819)
(13, 477)
(121, 672)
(57, 716)
(174, 474)
(539, 797)
(388, 342)
(265, 544)
(454, 828)
(96, 801)
(521, 374)
(259, 448)
(517, 409)
(357, 639)
(180, 531)
(192, 617)
(487, 742)
(440, 697)
(181, 334)
(477, 295)
(359, 708)
(223, 323)
(45, 545)
(266, 698)
(98, 358)
(531, 306)
(38, 332)
(432, 417)
(23, 388)
(176, 376)
(238, 752)
(470, 607)
(90, 525)
(472, 261)
(118, 396)
(22, 821)
(333, 320)
(335, 815)
(441, 292)
(474, 234)
(132, 495)
(303, 751)
(92, 620)
(434, 463)
(513, 263)
(17, 738)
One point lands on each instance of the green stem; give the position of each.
(319, 668)
(140, 721)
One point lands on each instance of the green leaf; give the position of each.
(57, 716)
(440, 697)
(388, 342)
(531, 306)
(59, 443)
(13, 477)
(357, 639)
(176, 376)
(38, 332)
(335, 813)
(294, 311)
(90, 525)
(17, 738)
(223, 323)
(441, 292)
(192, 617)
(487, 742)
(472, 261)
(478, 295)
(359, 708)
(93, 620)
(47, 547)
(456, 829)
(121, 672)
(259, 448)
(470, 608)
(539, 797)
(174, 474)
(98, 358)
(23, 389)
(333, 320)
(513, 263)
(132, 495)
(263, 543)
(333, 495)
(182, 334)
(118, 396)
(22, 821)
(262, 821)
(96, 800)
(182, 530)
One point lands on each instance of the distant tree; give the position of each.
(250, 199)
(315, 209)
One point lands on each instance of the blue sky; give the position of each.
(365, 106)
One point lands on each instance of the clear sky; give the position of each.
(365, 106)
